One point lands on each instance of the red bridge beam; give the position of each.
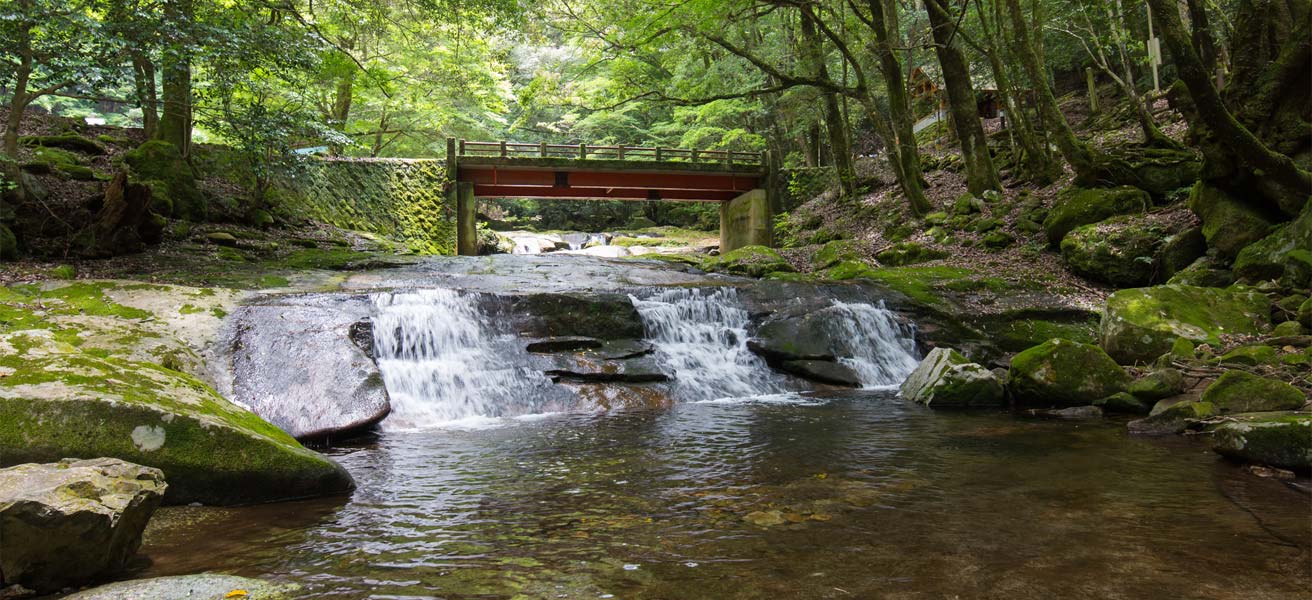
(587, 179)
(599, 193)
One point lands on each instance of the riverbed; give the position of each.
(851, 495)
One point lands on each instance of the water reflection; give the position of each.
(854, 495)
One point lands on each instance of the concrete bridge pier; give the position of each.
(746, 221)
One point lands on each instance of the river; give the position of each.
(747, 485)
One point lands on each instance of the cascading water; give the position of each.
(874, 343)
(442, 361)
(701, 335)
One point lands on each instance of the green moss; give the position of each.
(1243, 392)
(1083, 206)
(69, 141)
(906, 253)
(218, 312)
(1228, 223)
(64, 272)
(1251, 355)
(1141, 324)
(833, 253)
(190, 309)
(1019, 334)
(751, 261)
(1283, 441)
(919, 283)
(850, 269)
(161, 161)
(1064, 373)
(8, 244)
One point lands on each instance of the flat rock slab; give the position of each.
(205, 586)
(305, 364)
(66, 523)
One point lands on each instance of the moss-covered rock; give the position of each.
(1283, 441)
(1286, 254)
(1160, 171)
(161, 161)
(967, 204)
(1121, 251)
(1159, 384)
(67, 141)
(906, 253)
(1288, 328)
(833, 253)
(8, 244)
(1141, 324)
(1064, 373)
(1203, 272)
(998, 240)
(1084, 206)
(850, 269)
(1243, 392)
(1251, 355)
(946, 379)
(1305, 313)
(1229, 224)
(1173, 417)
(1123, 402)
(750, 261)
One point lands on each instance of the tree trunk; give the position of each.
(1279, 178)
(980, 172)
(143, 72)
(175, 125)
(1202, 35)
(1077, 153)
(839, 148)
(904, 155)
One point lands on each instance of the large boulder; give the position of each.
(205, 586)
(1283, 441)
(1243, 392)
(306, 365)
(1160, 171)
(946, 379)
(1228, 223)
(1203, 272)
(1083, 206)
(57, 402)
(1285, 254)
(1064, 373)
(67, 523)
(833, 253)
(1140, 324)
(1126, 251)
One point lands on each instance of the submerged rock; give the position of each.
(822, 371)
(1074, 413)
(205, 586)
(1283, 441)
(305, 364)
(1243, 392)
(1064, 373)
(67, 523)
(946, 379)
(55, 403)
(1141, 324)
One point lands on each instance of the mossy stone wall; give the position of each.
(400, 198)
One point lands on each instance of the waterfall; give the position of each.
(442, 361)
(701, 335)
(873, 342)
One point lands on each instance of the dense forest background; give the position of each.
(817, 82)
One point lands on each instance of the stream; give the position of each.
(488, 481)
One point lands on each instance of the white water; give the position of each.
(443, 363)
(701, 335)
(874, 343)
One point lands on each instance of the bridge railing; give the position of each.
(503, 149)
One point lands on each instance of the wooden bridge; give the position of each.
(739, 181)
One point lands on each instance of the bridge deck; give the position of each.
(610, 173)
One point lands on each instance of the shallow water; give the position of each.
(856, 495)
